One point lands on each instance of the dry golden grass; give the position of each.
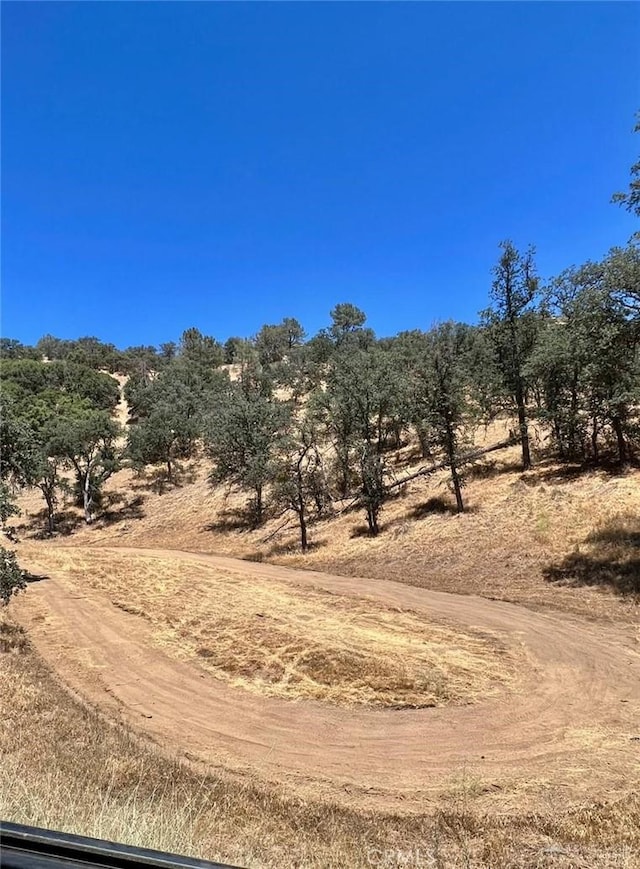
(609, 556)
(284, 640)
(517, 528)
(63, 767)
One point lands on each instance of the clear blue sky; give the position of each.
(227, 164)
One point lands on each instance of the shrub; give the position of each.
(12, 577)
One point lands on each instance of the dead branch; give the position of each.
(462, 460)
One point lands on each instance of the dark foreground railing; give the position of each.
(32, 848)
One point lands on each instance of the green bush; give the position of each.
(12, 577)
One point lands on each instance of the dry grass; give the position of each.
(518, 526)
(63, 767)
(295, 642)
(609, 556)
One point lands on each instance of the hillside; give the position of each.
(556, 536)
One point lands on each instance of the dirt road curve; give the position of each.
(570, 732)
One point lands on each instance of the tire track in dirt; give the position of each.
(568, 733)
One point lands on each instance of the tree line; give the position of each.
(303, 425)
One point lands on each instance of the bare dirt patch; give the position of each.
(65, 767)
(284, 640)
(566, 733)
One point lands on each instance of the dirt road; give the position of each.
(571, 732)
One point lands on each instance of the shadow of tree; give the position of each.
(293, 547)
(156, 479)
(486, 470)
(256, 556)
(611, 559)
(555, 472)
(13, 638)
(437, 504)
(34, 577)
(363, 531)
(230, 520)
(113, 507)
(66, 522)
(117, 508)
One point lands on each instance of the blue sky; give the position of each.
(227, 164)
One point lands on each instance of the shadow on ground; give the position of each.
(436, 505)
(117, 508)
(34, 577)
(114, 507)
(230, 520)
(12, 638)
(487, 470)
(66, 522)
(608, 557)
(363, 531)
(295, 548)
(439, 505)
(157, 480)
(552, 472)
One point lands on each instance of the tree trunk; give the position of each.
(616, 424)
(517, 373)
(574, 415)
(457, 488)
(303, 530)
(87, 500)
(423, 438)
(463, 459)
(300, 511)
(50, 500)
(259, 506)
(594, 441)
(559, 440)
(50, 514)
(524, 431)
(343, 462)
(372, 522)
(169, 471)
(397, 433)
(538, 396)
(451, 454)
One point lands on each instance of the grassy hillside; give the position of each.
(559, 536)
